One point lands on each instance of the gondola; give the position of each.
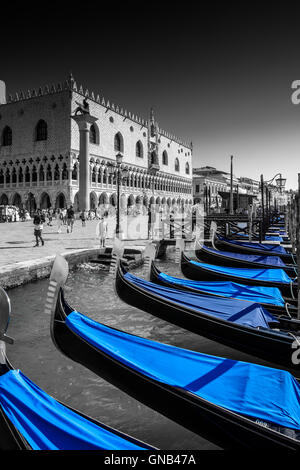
(225, 401)
(30, 419)
(263, 249)
(247, 327)
(241, 260)
(256, 277)
(269, 297)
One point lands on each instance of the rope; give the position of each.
(296, 338)
(291, 287)
(287, 310)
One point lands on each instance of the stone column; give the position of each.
(84, 122)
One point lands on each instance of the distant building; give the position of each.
(212, 188)
(39, 148)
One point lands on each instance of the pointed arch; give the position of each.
(41, 130)
(94, 134)
(165, 158)
(177, 166)
(139, 150)
(119, 142)
(6, 138)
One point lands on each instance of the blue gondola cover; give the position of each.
(259, 274)
(260, 294)
(49, 425)
(257, 246)
(255, 391)
(262, 259)
(233, 310)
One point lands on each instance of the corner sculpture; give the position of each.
(83, 108)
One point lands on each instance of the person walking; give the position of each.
(83, 218)
(102, 229)
(59, 220)
(70, 219)
(38, 228)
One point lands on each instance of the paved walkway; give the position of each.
(17, 241)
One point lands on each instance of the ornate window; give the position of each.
(165, 158)
(41, 130)
(34, 174)
(118, 143)
(74, 172)
(177, 167)
(6, 137)
(94, 136)
(139, 149)
(187, 168)
(49, 173)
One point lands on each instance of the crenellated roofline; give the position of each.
(71, 85)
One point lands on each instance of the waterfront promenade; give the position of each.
(21, 261)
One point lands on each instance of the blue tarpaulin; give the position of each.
(257, 246)
(260, 392)
(259, 274)
(260, 294)
(233, 310)
(274, 238)
(262, 259)
(49, 425)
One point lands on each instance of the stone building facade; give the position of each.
(39, 152)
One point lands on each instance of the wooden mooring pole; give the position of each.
(297, 209)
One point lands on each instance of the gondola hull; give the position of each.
(198, 272)
(221, 259)
(224, 428)
(262, 343)
(274, 309)
(226, 245)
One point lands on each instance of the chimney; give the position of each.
(2, 92)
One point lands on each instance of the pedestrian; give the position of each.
(83, 218)
(59, 220)
(38, 228)
(70, 219)
(102, 229)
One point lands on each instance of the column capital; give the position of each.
(84, 121)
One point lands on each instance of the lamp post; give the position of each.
(231, 187)
(120, 174)
(280, 183)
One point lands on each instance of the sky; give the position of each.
(219, 76)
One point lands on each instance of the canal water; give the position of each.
(90, 291)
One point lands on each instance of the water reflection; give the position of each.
(92, 293)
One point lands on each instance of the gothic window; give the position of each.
(165, 158)
(41, 173)
(187, 168)
(7, 176)
(93, 134)
(65, 172)
(41, 130)
(177, 164)
(74, 172)
(1, 177)
(6, 136)
(34, 174)
(20, 175)
(56, 173)
(49, 173)
(14, 176)
(27, 175)
(139, 149)
(118, 142)
(94, 175)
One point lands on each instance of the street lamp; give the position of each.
(280, 183)
(120, 174)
